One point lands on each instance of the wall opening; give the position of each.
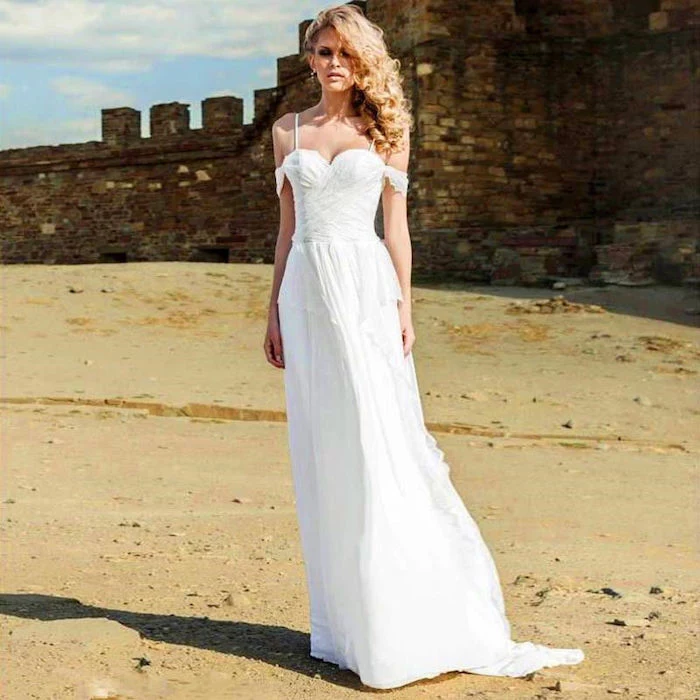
(113, 256)
(211, 254)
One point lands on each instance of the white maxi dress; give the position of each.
(401, 585)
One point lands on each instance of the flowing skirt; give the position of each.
(401, 585)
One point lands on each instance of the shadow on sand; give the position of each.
(278, 646)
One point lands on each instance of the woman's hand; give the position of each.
(407, 334)
(273, 340)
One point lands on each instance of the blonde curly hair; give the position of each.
(378, 93)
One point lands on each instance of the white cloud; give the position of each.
(130, 35)
(58, 18)
(90, 93)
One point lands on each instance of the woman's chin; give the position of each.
(336, 86)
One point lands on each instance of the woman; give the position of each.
(401, 585)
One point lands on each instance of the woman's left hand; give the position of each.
(407, 334)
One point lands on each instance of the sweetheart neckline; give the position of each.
(401, 174)
(330, 163)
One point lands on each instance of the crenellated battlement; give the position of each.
(121, 126)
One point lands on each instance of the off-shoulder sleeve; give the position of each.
(279, 179)
(397, 178)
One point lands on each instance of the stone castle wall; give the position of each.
(556, 138)
(553, 138)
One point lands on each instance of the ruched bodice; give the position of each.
(338, 199)
(338, 265)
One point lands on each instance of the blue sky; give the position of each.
(62, 61)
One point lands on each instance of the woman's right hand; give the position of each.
(273, 341)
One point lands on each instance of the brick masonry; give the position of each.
(554, 138)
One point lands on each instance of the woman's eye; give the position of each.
(326, 52)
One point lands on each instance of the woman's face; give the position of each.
(333, 66)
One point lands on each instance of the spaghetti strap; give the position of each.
(296, 130)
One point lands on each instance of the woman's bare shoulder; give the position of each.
(283, 124)
(399, 159)
(282, 137)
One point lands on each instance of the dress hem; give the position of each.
(576, 657)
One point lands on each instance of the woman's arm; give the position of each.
(398, 241)
(281, 131)
(280, 136)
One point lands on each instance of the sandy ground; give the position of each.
(149, 538)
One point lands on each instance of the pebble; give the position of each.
(474, 396)
(566, 686)
(611, 592)
(631, 622)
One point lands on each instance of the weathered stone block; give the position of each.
(658, 21)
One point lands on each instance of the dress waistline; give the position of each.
(358, 237)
